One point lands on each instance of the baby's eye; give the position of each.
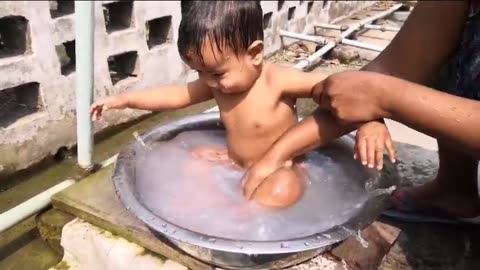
(218, 74)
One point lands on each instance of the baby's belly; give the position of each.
(245, 151)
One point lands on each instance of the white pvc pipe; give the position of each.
(315, 57)
(294, 35)
(84, 46)
(31, 206)
(331, 26)
(382, 28)
(360, 44)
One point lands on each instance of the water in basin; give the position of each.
(206, 197)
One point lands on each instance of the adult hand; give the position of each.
(355, 96)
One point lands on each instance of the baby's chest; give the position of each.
(259, 118)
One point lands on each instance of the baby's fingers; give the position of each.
(391, 149)
(379, 150)
(362, 151)
(371, 152)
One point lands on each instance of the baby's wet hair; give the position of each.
(227, 24)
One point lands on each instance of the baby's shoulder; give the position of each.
(276, 75)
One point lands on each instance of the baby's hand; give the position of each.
(371, 140)
(99, 107)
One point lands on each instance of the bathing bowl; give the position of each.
(229, 253)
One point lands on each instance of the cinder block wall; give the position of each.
(135, 48)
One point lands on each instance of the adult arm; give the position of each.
(417, 53)
(450, 118)
(426, 41)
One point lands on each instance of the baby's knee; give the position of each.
(283, 188)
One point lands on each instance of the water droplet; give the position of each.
(306, 244)
(318, 237)
(212, 240)
(327, 235)
(283, 245)
(361, 240)
(383, 191)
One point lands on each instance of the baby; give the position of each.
(223, 42)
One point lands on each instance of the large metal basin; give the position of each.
(231, 253)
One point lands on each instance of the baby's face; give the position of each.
(224, 71)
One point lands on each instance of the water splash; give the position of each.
(372, 182)
(383, 191)
(361, 240)
(139, 139)
(327, 235)
(357, 235)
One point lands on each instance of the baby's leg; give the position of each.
(200, 168)
(283, 188)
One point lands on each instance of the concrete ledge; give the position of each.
(89, 247)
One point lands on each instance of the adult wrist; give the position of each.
(388, 95)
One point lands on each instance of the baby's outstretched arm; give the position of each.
(155, 99)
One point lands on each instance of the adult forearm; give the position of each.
(440, 115)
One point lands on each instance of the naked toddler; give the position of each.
(223, 42)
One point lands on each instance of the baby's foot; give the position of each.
(215, 154)
(210, 153)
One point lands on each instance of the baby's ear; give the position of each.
(255, 52)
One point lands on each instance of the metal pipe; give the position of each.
(31, 206)
(360, 44)
(316, 57)
(84, 46)
(382, 28)
(294, 35)
(331, 26)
